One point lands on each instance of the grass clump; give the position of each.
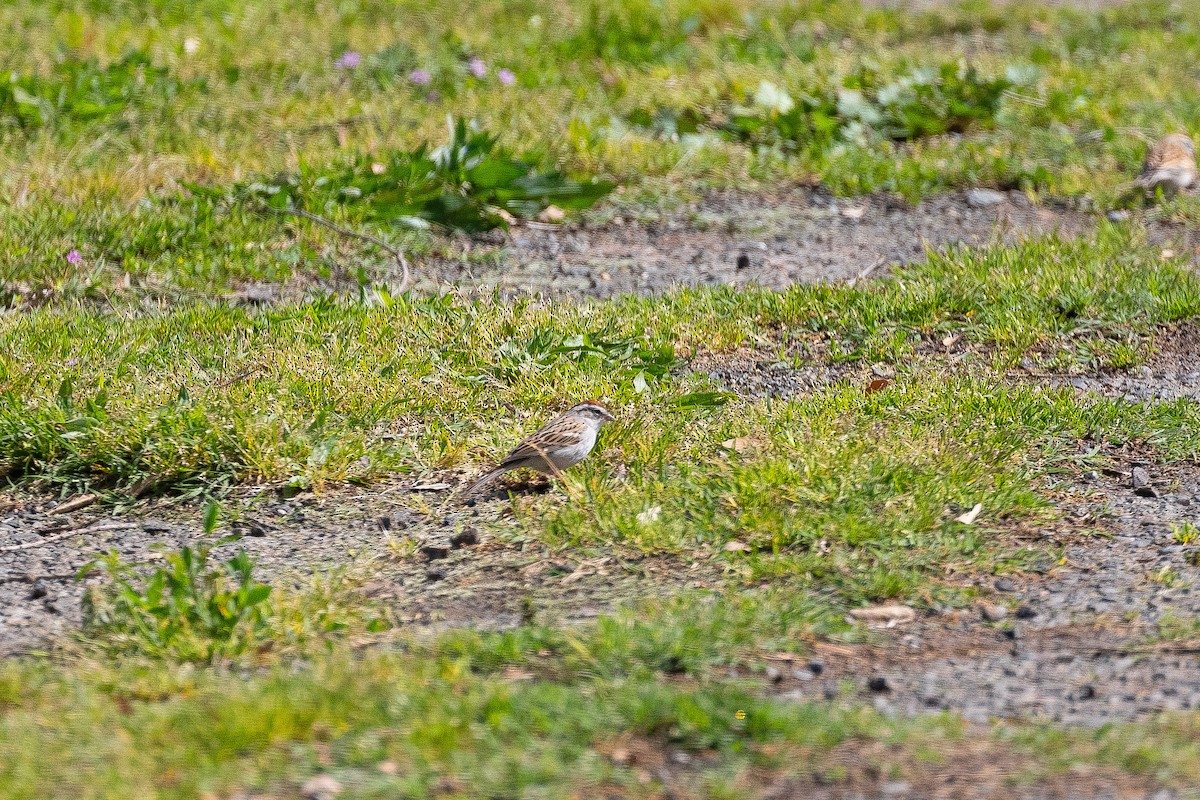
(951, 98)
(466, 184)
(190, 609)
(196, 609)
(80, 91)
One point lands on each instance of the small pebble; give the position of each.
(1005, 585)
(743, 261)
(321, 787)
(878, 683)
(1141, 483)
(773, 674)
(816, 666)
(434, 574)
(38, 591)
(1087, 692)
(982, 198)
(994, 613)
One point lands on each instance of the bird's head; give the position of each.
(594, 412)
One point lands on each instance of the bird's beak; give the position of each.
(608, 417)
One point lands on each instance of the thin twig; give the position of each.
(862, 276)
(241, 376)
(33, 576)
(74, 504)
(1099, 133)
(100, 528)
(365, 237)
(347, 122)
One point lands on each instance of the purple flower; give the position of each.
(506, 76)
(348, 60)
(73, 257)
(477, 67)
(420, 77)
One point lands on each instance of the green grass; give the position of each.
(95, 729)
(301, 393)
(173, 733)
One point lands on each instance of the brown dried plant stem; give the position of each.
(350, 234)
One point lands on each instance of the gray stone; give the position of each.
(993, 612)
(982, 198)
(1141, 483)
(321, 787)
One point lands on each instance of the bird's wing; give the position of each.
(559, 432)
(1166, 153)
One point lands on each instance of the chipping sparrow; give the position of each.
(559, 444)
(1170, 163)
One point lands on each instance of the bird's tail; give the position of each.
(482, 482)
(1128, 187)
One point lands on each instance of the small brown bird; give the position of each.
(1170, 163)
(559, 444)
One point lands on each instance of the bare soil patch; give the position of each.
(1078, 643)
(1171, 372)
(734, 239)
(434, 569)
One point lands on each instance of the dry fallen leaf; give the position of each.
(552, 214)
(950, 340)
(736, 547)
(892, 615)
(741, 444)
(378, 168)
(969, 517)
(514, 673)
(650, 515)
(877, 385)
(854, 212)
(429, 487)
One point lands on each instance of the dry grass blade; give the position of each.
(100, 528)
(74, 504)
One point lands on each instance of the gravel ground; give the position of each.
(731, 238)
(1077, 644)
(772, 240)
(430, 579)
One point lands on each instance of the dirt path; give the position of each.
(773, 240)
(730, 238)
